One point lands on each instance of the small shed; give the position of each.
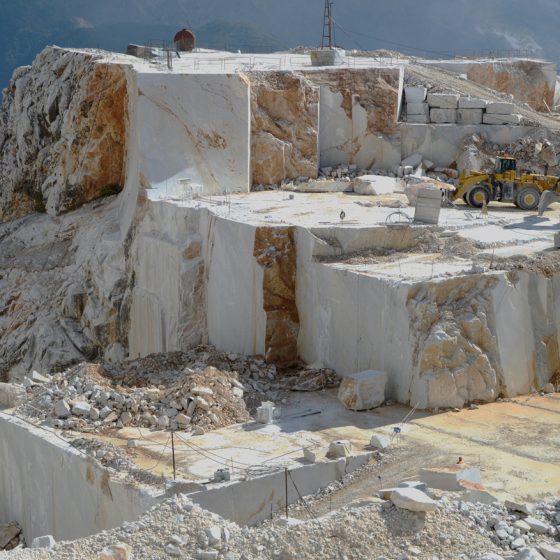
(185, 40)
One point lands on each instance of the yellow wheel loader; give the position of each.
(506, 184)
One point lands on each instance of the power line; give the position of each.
(350, 37)
(160, 456)
(54, 433)
(310, 513)
(206, 456)
(349, 33)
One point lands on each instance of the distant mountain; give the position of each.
(434, 28)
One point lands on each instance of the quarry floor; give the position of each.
(503, 233)
(323, 209)
(504, 224)
(515, 444)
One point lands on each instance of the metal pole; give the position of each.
(286, 485)
(173, 453)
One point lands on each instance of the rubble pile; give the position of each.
(532, 154)
(366, 529)
(417, 166)
(313, 380)
(107, 454)
(512, 526)
(83, 399)
(261, 380)
(118, 459)
(199, 391)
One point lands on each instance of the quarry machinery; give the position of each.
(505, 184)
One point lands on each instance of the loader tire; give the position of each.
(478, 196)
(528, 198)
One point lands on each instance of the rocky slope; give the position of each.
(64, 274)
(62, 134)
(63, 286)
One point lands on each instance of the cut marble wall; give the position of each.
(193, 133)
(51, 488)
(168, 301)
(236, 315)
(358, 117)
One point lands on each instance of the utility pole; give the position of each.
(286, 488)
(328, 26)
(173, 454)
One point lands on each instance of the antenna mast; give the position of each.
(328, 26)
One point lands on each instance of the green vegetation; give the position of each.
(39, 201)
(110, 190)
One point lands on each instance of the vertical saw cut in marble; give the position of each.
(167, 312)
(236, 316)
(43, 479)
(527, 361)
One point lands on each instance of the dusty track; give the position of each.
(515, 444)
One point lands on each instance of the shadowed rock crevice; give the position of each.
(275, 252)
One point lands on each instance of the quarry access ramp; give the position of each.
(445, 81)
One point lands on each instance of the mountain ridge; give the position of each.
(433, 28)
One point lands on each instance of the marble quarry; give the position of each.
(133, 184)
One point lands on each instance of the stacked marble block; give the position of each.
(451, 108)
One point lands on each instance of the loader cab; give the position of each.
(505, 164)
